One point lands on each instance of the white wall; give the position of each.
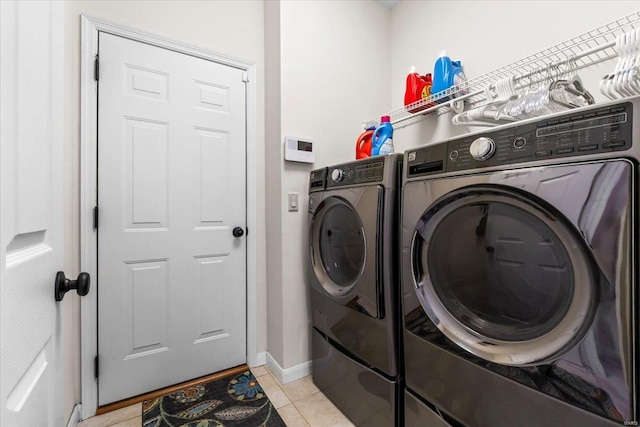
(273, 178)
(334, 73)
(485, 35)
(234, 28)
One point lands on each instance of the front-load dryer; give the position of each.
(520, 266)
(355, 288)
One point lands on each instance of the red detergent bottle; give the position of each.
(363, 144)
(417, 88)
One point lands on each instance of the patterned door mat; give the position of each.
(236, 400)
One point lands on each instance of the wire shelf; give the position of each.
(585, 50)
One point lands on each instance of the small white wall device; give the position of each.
(298, 150)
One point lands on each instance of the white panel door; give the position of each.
(171, 188)
(31, 193)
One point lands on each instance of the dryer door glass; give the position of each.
(500, 269)
(341, 245)
(504, 273)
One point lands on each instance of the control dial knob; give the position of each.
(337, 175)
(482, 148)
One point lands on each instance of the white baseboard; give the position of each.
(259, 360)
(288, 375)
(76, 416)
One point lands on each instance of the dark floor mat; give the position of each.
(236, 400)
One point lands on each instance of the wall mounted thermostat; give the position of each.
(298, 150)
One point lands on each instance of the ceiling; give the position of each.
(389, 4)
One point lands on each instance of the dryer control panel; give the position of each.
(360, 172)
(317, 180)
(597, 130)
(592, 131)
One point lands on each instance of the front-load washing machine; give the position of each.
(520, 272)
(355, 288)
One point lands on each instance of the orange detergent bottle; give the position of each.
(418, 88)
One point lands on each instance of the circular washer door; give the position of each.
(338, 247)
(503, 276)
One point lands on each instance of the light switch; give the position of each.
(293, 202)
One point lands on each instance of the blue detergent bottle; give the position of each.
(382, 139)
(446, 73)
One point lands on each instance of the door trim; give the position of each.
(90, 26)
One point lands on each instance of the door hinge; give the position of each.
(245, 76)
(96, 69)
(96, 366)
(95, 218)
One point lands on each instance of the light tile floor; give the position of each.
(299, 403)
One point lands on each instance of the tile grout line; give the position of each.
(292, 402)
(124, 421)
(279, 388)
(91, 422)
(132, 418)
(283, 389)
(300, 412)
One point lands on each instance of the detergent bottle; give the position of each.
(382, 140)
(418, 87)
(446, 73)
(363, 144)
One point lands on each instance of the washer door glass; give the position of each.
(503, 276)
(341, 246)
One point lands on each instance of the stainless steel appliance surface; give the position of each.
(355, 287)
(520, 272)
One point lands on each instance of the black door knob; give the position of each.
(238, 232)
(63, 285)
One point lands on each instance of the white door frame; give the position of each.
(88, 188)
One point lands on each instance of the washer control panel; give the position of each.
(359, 172)
(598, 130)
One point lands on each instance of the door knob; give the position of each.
(63, 285)
(238, 232)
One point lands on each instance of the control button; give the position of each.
(589, 115)
(564, 119)
(553, 122)
(613, 119)
(613, 144)
(519, 142)
(543, 153)
(482, 148)
(453, 155)
(576, 118)
(588, 147)
(602, 112)
(542, 124)
(337, 175)
(564, 150)
(617, 109)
